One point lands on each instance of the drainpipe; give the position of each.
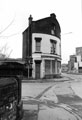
(29, 44)
(30, 36)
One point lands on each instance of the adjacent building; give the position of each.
(42, 44)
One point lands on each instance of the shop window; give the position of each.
(47, 66)
(53, 66)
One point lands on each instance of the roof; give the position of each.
(45, 25)
(6, 81)
(11, 64)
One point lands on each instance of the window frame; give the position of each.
(38, 39)
(53, 46)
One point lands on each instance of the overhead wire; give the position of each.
(8, 26)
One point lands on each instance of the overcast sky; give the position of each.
(14, 20)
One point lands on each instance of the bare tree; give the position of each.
(5, 52)
(4, 49)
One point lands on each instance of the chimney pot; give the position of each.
(53, 15)
(30, 19)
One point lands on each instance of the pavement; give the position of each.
(61, 79)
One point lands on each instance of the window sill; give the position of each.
(37, 52)
(54, 53)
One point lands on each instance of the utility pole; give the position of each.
(81, 9)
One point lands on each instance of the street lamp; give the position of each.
(67, 33)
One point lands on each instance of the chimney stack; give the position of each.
(30, 19)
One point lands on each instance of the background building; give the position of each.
(79, 54)
(42, 43)
(79, 51)
(75, 62)
(71, 62)
(64, 68)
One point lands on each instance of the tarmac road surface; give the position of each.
(53, 101)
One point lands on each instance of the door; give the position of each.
(37, 69)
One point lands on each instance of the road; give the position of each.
(34, 89)
(53, 100)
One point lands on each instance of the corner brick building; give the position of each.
(42, 43)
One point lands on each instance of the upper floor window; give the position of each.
(53, 46)
(38, 44)
(53, 30)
